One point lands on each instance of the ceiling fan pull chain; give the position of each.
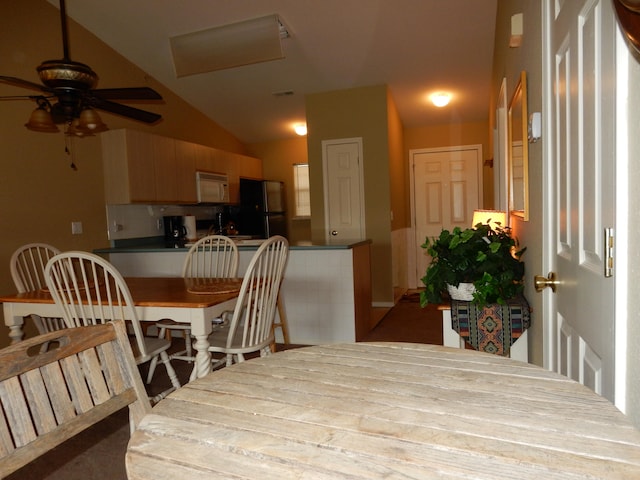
(67, 139)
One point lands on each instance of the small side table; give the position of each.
(514, 318)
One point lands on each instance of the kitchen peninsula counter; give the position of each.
(326, 289)
(153, 244)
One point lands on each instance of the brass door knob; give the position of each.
(550, 281)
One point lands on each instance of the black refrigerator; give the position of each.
(262, 208)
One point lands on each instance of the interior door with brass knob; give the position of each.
(579, 186)
(550, 281)
(344, 189)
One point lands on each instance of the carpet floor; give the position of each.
(99, 451)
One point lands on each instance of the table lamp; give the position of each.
(495, 218)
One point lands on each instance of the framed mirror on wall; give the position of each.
(501, 152)
(518, 151)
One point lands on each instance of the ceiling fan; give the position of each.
(68, 96)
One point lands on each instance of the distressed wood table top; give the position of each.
(384, 410)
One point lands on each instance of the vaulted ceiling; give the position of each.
(413, 46)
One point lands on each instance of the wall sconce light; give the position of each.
(494, 218)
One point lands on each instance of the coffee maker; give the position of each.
(175, 233)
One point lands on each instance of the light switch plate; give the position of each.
(535, 127)
(76, 228)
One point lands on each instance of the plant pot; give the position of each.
(463, 292)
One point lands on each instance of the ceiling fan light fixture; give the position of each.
(70, 87)
(91, 121)
(67, 74)
(73, 128)
(40, 119)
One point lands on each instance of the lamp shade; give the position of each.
(91, 121)
(41, 121)
(495, 218)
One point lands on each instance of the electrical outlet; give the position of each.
(76, 228)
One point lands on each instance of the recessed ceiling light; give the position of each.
(440, 99)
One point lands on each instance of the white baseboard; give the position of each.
(382, 304)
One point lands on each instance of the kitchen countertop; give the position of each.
(156, 244)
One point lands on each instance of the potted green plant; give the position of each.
(486, 257)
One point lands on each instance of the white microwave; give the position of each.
(212, 187)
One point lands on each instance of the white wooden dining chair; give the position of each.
(251, 326)
(214, 256)
(48, 396)
(88, 290)
(27, 271)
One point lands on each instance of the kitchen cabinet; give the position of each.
(185, 171)
(251, 168)
(232, 164)
(141, 167)
(129, 172)
(165, 169)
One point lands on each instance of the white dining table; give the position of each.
(384, 410)
(183, 300)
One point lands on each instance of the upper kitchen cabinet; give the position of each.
(251, 167)
(233, 165)
(140, 167)
(186, 158)
(129, 171)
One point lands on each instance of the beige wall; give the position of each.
(400, 207)
(278, 158)
(508, 63)
(40, 195)
(398, 169)
(359, 112)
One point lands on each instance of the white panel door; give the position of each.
(580, 190)
(446, 191)
(344, 191)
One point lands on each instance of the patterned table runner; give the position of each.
(493, 328)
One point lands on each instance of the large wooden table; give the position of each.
(155, 298)
(384, 410)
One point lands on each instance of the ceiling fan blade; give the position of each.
(141, 93)
(125, 110)
(18, 82)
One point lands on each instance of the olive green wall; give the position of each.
(278, 158)
(360, 112)
(40, 195)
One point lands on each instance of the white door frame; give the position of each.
(411, 248)
(325, 173)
